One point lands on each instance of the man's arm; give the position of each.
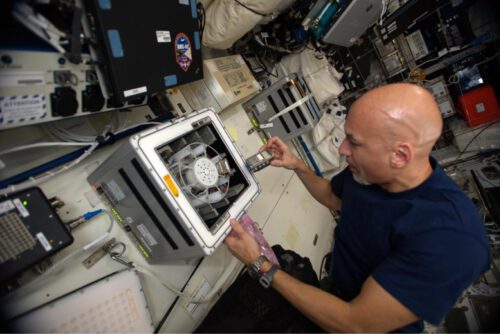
(317, 186)
(374, 309)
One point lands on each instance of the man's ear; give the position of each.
(402, 155)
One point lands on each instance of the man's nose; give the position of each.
(344, 148)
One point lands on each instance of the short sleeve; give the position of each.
(337, 182)
(429, 273)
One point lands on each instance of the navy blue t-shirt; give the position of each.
(424, 246)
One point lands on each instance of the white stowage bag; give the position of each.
(205, 3)
(227, 20)
(325, 139)
(321, 77)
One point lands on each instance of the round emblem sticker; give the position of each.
(183, 53)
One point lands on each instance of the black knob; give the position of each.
(137, 101)
(114, 104)
(92, 99)
(64, 102)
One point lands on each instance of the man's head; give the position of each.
(390, 132)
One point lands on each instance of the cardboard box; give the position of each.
(229, 80)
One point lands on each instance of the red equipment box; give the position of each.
(479, 106)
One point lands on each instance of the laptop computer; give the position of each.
(351, 21)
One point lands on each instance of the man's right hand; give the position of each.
(283, 156)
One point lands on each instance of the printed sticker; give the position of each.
(115, 190)
(20, 108)
(21, 78)
(183, 53)
(135, 91)
(261, 107)
(480, 107)
(266, 125)
(147, 235)
(6, 206)
(20, 207)
(43, 240)
(163, 36)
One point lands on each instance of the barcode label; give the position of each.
(163, 36)
(135, 91)
(43, 240)
(6, 206)
(22, 210)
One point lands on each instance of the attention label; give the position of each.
(16, 109)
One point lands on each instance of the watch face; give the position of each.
(252, 271)
(254, 267)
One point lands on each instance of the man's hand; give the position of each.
(318, 187)
(283, 156)
(241, 244)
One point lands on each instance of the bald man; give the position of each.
(408, 242)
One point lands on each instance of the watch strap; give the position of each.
(266, 278)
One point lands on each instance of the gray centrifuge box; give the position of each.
(286, 109)
(175, 186)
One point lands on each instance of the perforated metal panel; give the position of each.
(30, 231)
(14, 237)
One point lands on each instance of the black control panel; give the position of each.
(30, 231)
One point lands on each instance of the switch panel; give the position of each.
(41, 86)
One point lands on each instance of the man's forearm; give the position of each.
(317, 186)
(327, 311)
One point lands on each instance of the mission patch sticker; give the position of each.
(183, 53)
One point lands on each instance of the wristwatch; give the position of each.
(267, 278)
(254, 267)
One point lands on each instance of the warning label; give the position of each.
(15, 109)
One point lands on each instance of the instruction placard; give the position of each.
(15, 109)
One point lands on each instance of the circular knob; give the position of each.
(6, 59)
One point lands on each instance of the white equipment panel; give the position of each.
(111, 305)
(38, 87)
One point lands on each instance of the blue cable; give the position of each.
(313, 106)
(72, 224)
(91, 214)
(309, 155)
